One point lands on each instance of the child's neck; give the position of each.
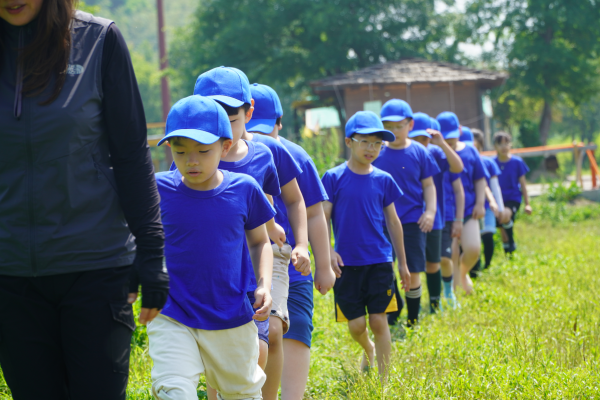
(504, 157)
(358, 167)
(459, 146)
(400, 143)
(211, 183)
(238, 151)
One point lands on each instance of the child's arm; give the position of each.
(262, 261)
(497, 192)
(320, 243)
(479, 209)
(523, 183)
(427, 218)
(459, 201)
(296, 210)
(490, 198)
(275, 231)
(454, 160)
(397, 236)
(335, 258)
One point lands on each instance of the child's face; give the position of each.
(399, 128)
(424, 140)
(503, 148)
(452, 142)
(239, 121)
(365, 148)
(197, 162)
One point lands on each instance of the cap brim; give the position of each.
(261, 125)
(194, 134)
(387, 135)
(413, 134)
(395, 118)
(228, 101)
(455, 134)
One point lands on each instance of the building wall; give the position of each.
(428, 98)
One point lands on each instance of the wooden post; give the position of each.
(578, 158)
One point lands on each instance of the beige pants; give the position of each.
(281, 284)
(228, 358)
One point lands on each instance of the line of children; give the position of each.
(413, 168)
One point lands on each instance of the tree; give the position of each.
(551, 47)
(287, 43)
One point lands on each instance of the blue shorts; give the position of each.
(300, 307)
(488, 222)
(414, 246)
(263, 326)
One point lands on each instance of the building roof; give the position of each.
(413, 70)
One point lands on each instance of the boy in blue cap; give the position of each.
(413, 168)
(230, 88)
(266, 121)
(209, 215)
(361, 198)
(513, 185)
(473, 180)
(449, 163)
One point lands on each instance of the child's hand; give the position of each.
(436, 137)
(324, 280)
(494, 208)
(404, 277)
(457, 227)
(426, 221)
(276, 234)
(301, 260)
(263, 303)
(336, 263)
(478, 211)
(528, 209)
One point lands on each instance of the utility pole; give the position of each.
(164, 63)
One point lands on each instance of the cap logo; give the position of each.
(75, 69)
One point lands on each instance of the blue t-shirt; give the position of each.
(408, 167)
(450, 200)
(204, 241)
(259, 164)
(287, 168)
(473, 171)
(512, 170)
(312, 190)
(493, 170)
(438, 179)
(358, 216)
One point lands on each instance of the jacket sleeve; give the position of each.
(125, 123)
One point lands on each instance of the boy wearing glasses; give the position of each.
(412, 167)
(361, 198)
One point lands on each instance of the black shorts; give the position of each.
(447, 240)
(364, 289)
(433, 247)
(414, 246)
(514, 206)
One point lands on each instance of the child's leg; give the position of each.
(432, 267)
(297, 341)
(278, 321)
(446, 264)
(414, 246)
(456, 251)
(488, 248)
(176, 357)
(471, 246)
(358, 331)
(509, 244)
(383, 341)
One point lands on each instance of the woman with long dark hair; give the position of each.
(79, 209)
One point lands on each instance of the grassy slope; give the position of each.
(532, 330)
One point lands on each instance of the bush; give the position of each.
(560, 193)
(324, 149)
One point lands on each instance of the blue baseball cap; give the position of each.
(435, 124)
(367, 123)
(396, 110)
(198, 118)
(267, 108)
(422, 123)
(467, 135)
(449, 126)
(226, 85)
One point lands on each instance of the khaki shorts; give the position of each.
(281, 284)
(228, 358)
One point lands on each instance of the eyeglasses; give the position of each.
(398, 127)
(365, 144)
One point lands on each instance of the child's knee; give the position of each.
(378, 323)
(275, 331)
(357, 326)
(172, 387)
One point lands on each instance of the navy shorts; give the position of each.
(367, 288)
(263, 326)
(514, 206)
(447, 240)
(433, 248)
(300, 307)
(414, 246)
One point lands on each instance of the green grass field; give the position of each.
(531, 330)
